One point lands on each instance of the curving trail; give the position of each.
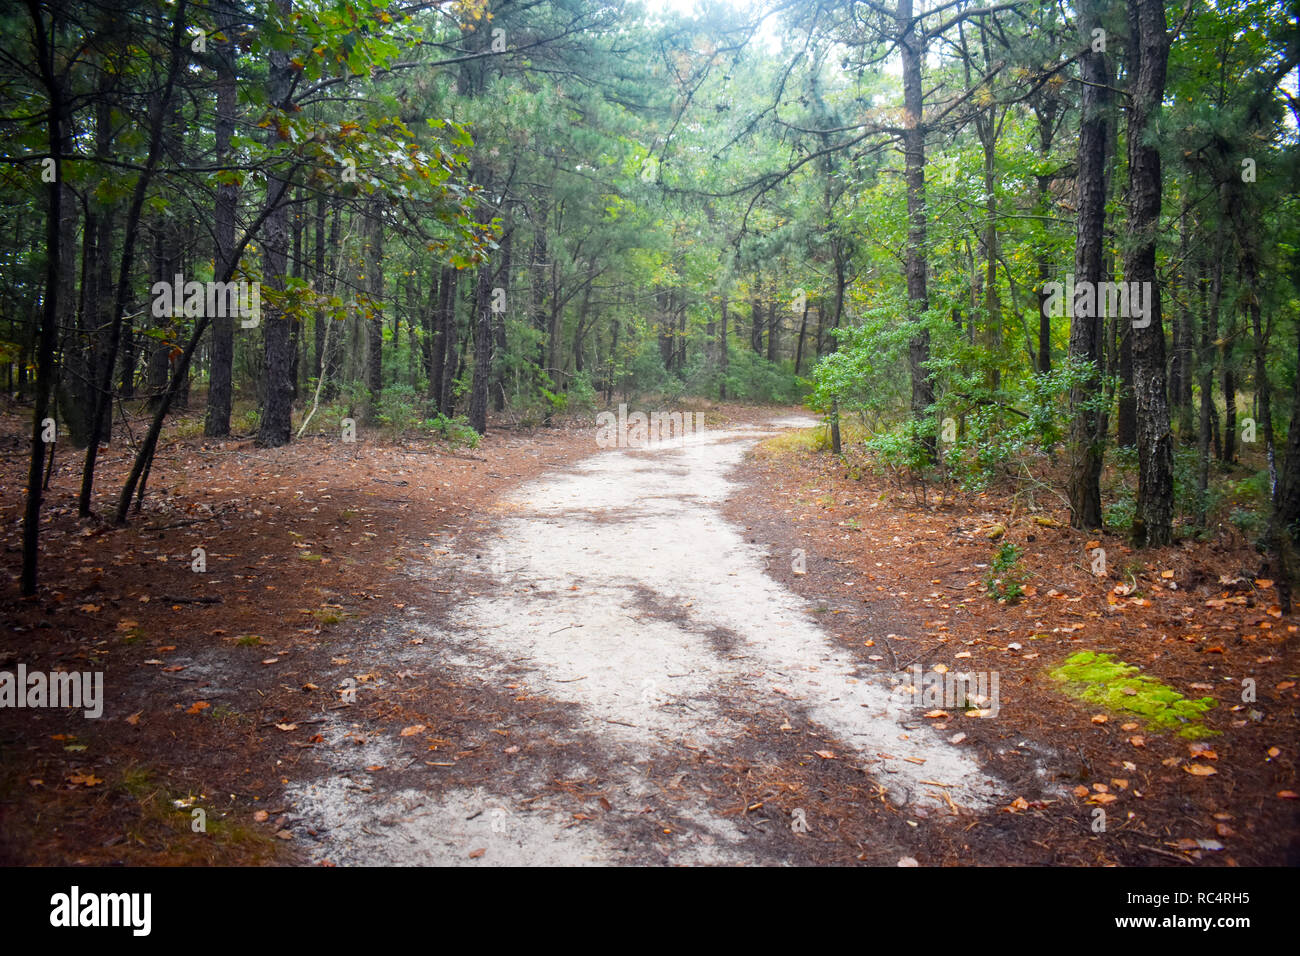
(620, 589)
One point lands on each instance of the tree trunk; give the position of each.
(48, 334)
(374, 324)
(216, 423)
(275, 428)
(1153, 525)
(724, 354)
(1087, 443)
(911, 42)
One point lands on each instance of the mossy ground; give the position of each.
(1118, 686)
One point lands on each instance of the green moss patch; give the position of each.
(1101, 679)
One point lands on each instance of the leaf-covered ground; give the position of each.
(329, 566)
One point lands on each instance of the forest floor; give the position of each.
(705, 651)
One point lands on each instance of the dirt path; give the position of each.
(618, 593)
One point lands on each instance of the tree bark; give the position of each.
(1153, 525)
(1086, 440)
(216, 422)
(911, 43)
(277, 409)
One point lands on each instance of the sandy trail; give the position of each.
(620, 588)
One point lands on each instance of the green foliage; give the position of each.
(752, 378)
(1006, 577)
(397, 408)
(454, 431)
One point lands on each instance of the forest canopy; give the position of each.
(979, 237)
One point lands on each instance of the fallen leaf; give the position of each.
(1016, 805)
(261, 816)
(1099, 718)
(134, 719)
(1200, 769)
(1137, 741)
(825, 754)
(411, 731)
(197, 706)
(476, 854)
(287, 727)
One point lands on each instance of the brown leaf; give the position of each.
(134, 719)
(476, 854)
(1016, 805)
(411, 731)
(1199, 769)
(287, 727)
(825, 754)
(197, 706)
